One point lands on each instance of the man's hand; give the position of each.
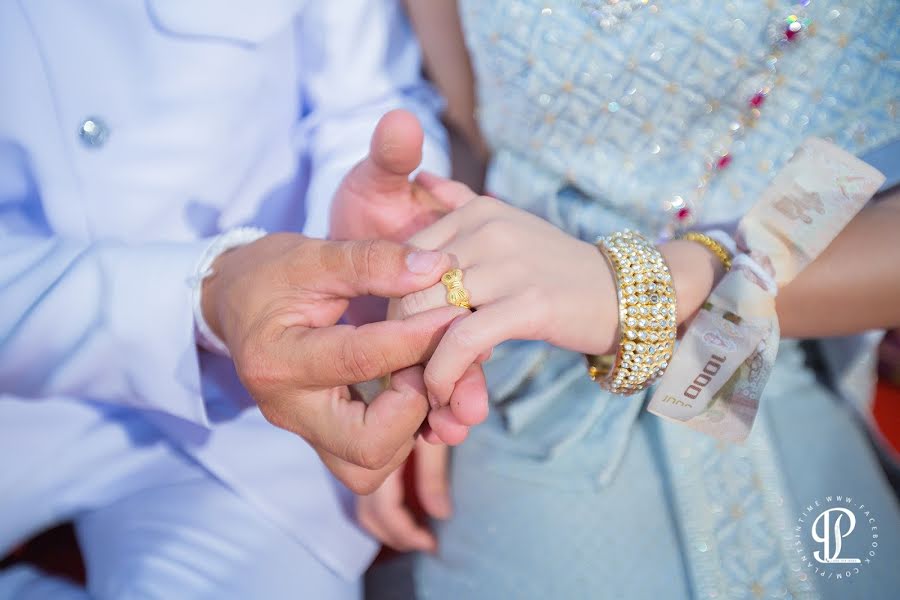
(377, 200)
(388, 514)
(275, 303)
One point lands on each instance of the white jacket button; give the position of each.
(93, 132)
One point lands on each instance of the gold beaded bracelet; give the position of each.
(646, 315)
(711, 244)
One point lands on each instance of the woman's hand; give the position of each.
(387, 514)
(528, 280)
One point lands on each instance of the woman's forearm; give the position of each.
(854, 285)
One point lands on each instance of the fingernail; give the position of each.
(422, 262)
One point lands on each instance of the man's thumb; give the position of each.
(394, 152)
(381, 268)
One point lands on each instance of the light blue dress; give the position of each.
(600, 123)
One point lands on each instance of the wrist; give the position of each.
(211, 273)
(695, 271)
(602, 298)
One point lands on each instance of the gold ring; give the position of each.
(457, 295)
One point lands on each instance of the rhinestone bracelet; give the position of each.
(646, 315)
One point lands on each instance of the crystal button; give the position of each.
(93, 132)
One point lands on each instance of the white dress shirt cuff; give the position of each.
(239, 236)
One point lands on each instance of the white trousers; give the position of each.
(150, 521)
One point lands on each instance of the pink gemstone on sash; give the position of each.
(723, 161)
(683, 213)
(757, 100)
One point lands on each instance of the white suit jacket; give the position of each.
(131, 131)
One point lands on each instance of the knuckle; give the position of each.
(432, 380)
(352, 453)
(278, 416)
(535, 309)
(433, 482)
(376, 455)
(365, 514)
(360, 363)
(355, 483)
(256, 370)
(460, 337)
(363, 484)
(494, 233)
(412, 304)
(532, 295)
(363, 258)
(298, 245)
(402, 308)
(367, 452)
(472, 209)
(485, 203)
(372, 258)
(516, 270)
(306, 256)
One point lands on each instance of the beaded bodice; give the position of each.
(675, 111)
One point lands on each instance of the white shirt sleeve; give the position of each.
(101, 321)
(359, 59)
(112, 321)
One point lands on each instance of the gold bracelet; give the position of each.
(646, 315)
(712, 245)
